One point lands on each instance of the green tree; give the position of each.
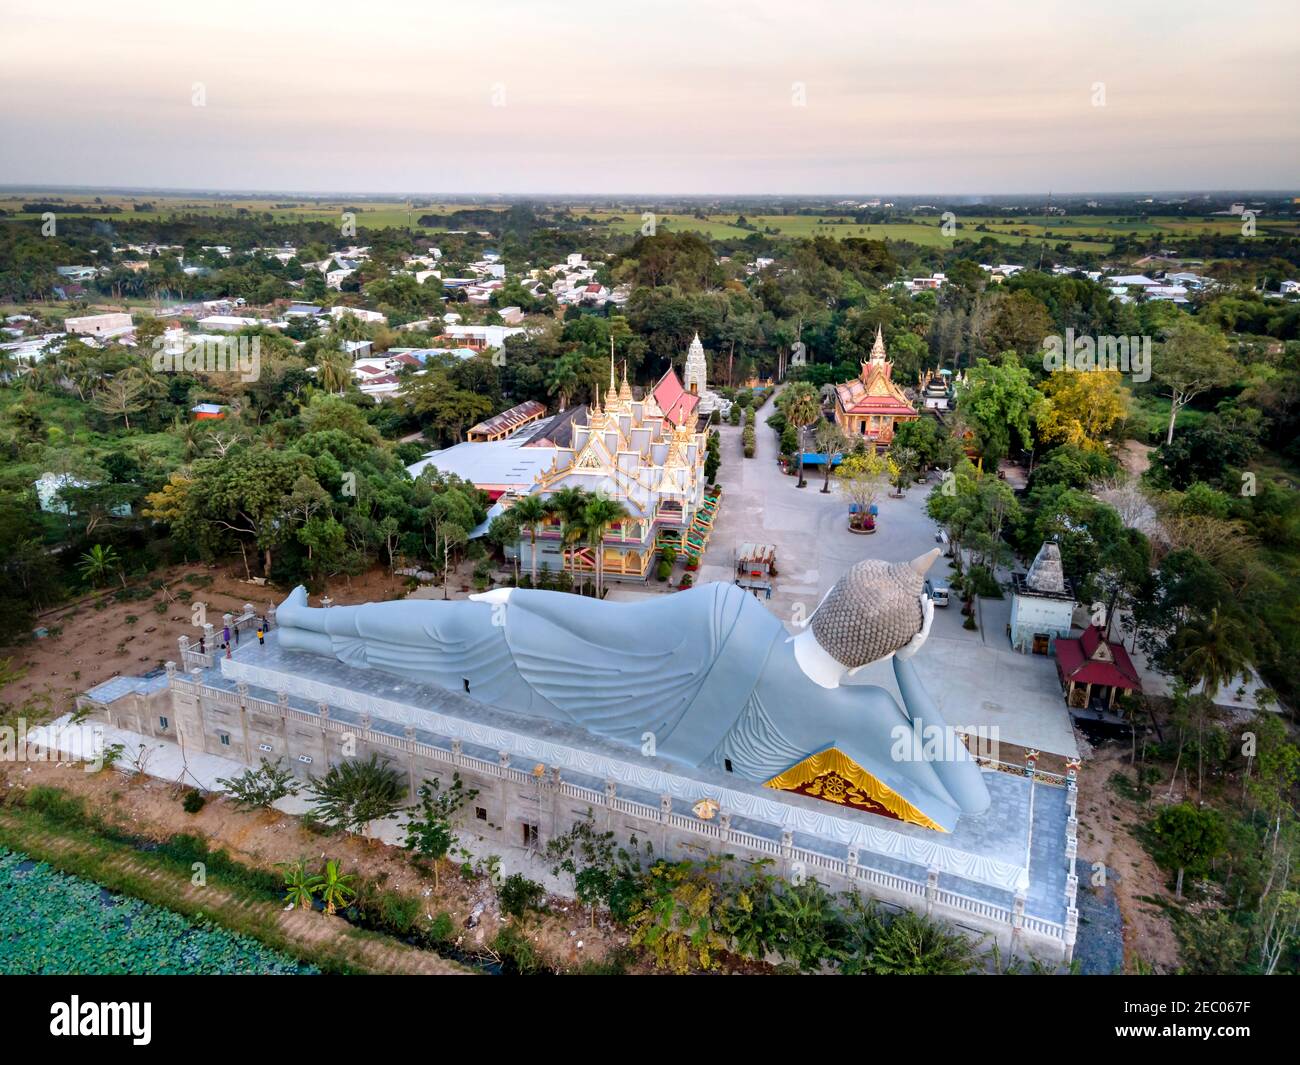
(1188, 839)
(1192, 359)
(99, 564)
(429, 832)
(588, 857)
(336, 887)
(802, 407)
(599, 514)
(353, 793)
(829, 439)
(531, 513)
(260, 788)
(997, 401)
(300, 886)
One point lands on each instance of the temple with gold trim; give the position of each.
(646, 454)
(871, 406)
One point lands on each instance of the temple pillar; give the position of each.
(931, 889)
(409, 734)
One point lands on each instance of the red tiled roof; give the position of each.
(677, 404)
(1083, 661)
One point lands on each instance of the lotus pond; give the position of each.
(54, 923)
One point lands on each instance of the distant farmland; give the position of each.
(1090, 233)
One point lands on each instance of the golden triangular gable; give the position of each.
(834, 763)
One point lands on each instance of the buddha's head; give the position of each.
(874, 610)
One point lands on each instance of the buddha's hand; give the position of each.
(927, 619)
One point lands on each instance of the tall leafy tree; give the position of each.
(1192, 359)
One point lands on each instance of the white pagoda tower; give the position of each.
(695, 375)
(695, 380)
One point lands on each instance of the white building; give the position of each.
(100, 325)
(359, 313)
(1042, 605)
(482, 336)
(226, 323)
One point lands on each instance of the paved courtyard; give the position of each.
(975, 677)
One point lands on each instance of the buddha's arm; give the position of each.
(960, 773)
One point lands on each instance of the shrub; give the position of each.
(517, 895)
(260, 787)
(664, 571)
(193, 801)
(442, 928)
(54, 804)
(517, 954)
(397, 912)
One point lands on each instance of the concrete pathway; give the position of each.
(976, 678)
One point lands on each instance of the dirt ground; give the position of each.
(151, 808)
(94, 638)
(1104, 821)
(1134, 457)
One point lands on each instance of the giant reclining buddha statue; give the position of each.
(709, 672)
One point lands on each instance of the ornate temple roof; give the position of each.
(874, 390)
(678, 405)
(1091, 660)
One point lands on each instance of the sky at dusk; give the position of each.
(663, 97)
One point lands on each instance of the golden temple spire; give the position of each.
(611, 397)
(625, 389)
(878, 348)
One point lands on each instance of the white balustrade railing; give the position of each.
(598, 798)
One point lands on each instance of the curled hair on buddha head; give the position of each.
(873, 610)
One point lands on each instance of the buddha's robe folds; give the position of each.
(709, 672)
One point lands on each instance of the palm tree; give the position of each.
(802, 409)
(1212, 649)
(599, 515)
(99, 563)
(563, 381)
(570, 503)
(531, 512)
(335, 887)
(334, 371)
(300, 886)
